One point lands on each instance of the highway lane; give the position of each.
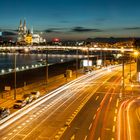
(43, 121)
(129, 119)
(97, 119)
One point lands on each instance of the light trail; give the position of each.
(117, 80)
(124, 126)
(92, 132)
(15, 116)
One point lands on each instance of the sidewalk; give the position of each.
(7, 98)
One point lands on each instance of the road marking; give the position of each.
(112, 138)
(56, 137)
(90, 126)
(4, 138)
(27, 121)
(23, 123)
(99, 138)
(19, 127)
(117, 103)
(107, 129)
(14, 130)
(85, 138)
(116, 111)
(113, 129)
(97, 98)
(31, 118)
(73, 137)
(59, 133)
(94, 117)
(115, 119)
(10, 134)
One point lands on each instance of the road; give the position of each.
(83, 109)
(97, 119)
(129, 119)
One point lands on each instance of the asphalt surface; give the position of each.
(86, 109)
(97, 119)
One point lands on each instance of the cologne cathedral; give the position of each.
(24, 35)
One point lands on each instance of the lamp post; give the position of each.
(77, 62)
(136, 54)
(47, 67)
(15, 76)
(130, 69)
(123, 84)
(88, 56)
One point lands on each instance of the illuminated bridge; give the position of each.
(30, 48)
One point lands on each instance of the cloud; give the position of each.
(55, 30)
(82, 29)
(9, 33)
(132, 28)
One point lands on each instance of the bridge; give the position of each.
(90, 48)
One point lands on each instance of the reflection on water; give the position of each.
(7, 60)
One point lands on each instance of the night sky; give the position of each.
(74, 19)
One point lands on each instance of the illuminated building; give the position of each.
(28, 38)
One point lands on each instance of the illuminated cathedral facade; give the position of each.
(26, 37)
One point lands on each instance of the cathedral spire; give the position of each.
(24, 24)
(20, 23)
(24, 27)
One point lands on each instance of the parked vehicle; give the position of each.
(36, 94)
(28, 98)
(19, 104)
(4, 112)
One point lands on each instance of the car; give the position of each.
(4, 112)
(28, 98)
(36, 94)
(19, 104)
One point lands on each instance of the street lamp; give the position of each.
(136, 54)
(122, 50)
(88, 56)
(47, 67)
(132, 88)
(77, 62)
(15, 75)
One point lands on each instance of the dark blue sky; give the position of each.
(74, 18)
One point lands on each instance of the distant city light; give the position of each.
(22, 67)
(87, 63)
(10, 70)
(2, 71)
(27, 67)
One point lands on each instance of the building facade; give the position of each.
(25, 37)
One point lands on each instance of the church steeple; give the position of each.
(20, 23)
(20, 26)
(24, 27)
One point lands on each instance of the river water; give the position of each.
(7, 61)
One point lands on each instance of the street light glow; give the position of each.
(136, 53)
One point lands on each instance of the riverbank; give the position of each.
(34, 75)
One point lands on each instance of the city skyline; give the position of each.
(73, 19)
